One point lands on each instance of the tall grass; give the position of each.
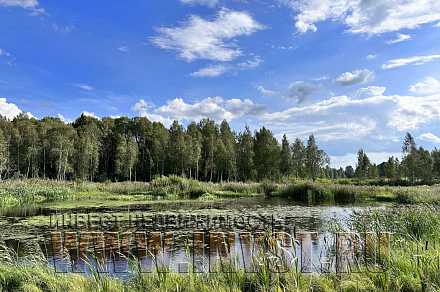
(317, 192)
(34, 191)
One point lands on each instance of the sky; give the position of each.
(355, 73)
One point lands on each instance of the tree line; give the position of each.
(417, 165)
(137, 149)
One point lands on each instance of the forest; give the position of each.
(137, 149)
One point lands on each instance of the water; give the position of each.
(200, 237)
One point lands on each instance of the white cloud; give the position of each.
(365, 16)
(83, 86)
(428, 86)
(216, 108)
(323, 106)
(144, 109)
(430, 137)
(220, 69)
(62, 118)
(301, 90)
(123, 49)
(351, 158)
(400, 37)
(355, 77)
(415, 60)
(266, 92)
(370, 91)
(90, 114)
(10, 110)
(211, 71)
(251, 63)
(198, 38)
(371, 57)
(437, 25)
(28, 4)
(5, 53)
(209, 3)
(412, 112)
(331, 130)
(31, 5)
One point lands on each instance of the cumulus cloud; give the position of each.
(364, 16)
(216, 108)
(10, 110)
(355, 77)
(415, 60)
(301, 90)
(198, 38)
(412, 112)
(400, 37)
(144, 109)
(266, 92)
(428, 86)
(430, 137)
(209, 3)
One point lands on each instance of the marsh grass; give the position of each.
(34, 191)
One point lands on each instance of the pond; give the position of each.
(183, 236)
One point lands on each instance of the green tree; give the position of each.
(195, 147)
(316, 158)
(210, 135)
(299, 158)
(267, 154)
(363, 165)
(230, 151)
(246, 155)
(286, 157)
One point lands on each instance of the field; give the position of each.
(410, 213)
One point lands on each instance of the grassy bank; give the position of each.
(314, 192)
(34, 191)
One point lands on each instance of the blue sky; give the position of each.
(356, 73)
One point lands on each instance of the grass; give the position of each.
(318, 192)
(15, 193)
(35, 191)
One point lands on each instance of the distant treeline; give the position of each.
(137, 149)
